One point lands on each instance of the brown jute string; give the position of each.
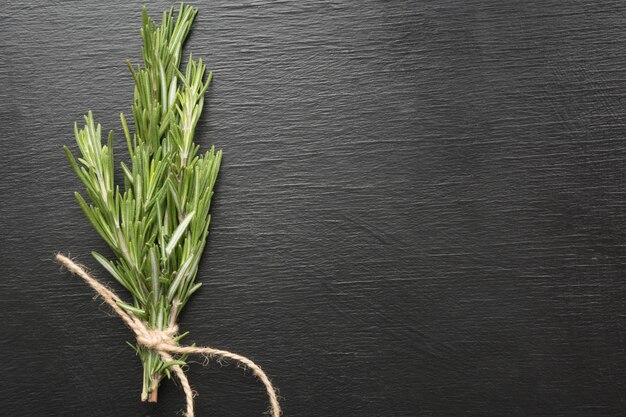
(162, 341)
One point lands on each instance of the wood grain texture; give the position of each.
(420, 212)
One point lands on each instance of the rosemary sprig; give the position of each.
(158, 223)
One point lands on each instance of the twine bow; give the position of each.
(162, 341)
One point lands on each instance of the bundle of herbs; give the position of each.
(157, 224)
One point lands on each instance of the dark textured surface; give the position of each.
(420, 212)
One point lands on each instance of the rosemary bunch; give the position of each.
(158, 223)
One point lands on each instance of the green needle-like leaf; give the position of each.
(178, 233)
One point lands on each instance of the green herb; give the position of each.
(158, 223)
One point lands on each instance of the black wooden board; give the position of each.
(420, 212)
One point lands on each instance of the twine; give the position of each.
(162, 342)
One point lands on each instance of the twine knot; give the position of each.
(162, 340)
(157, 339)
